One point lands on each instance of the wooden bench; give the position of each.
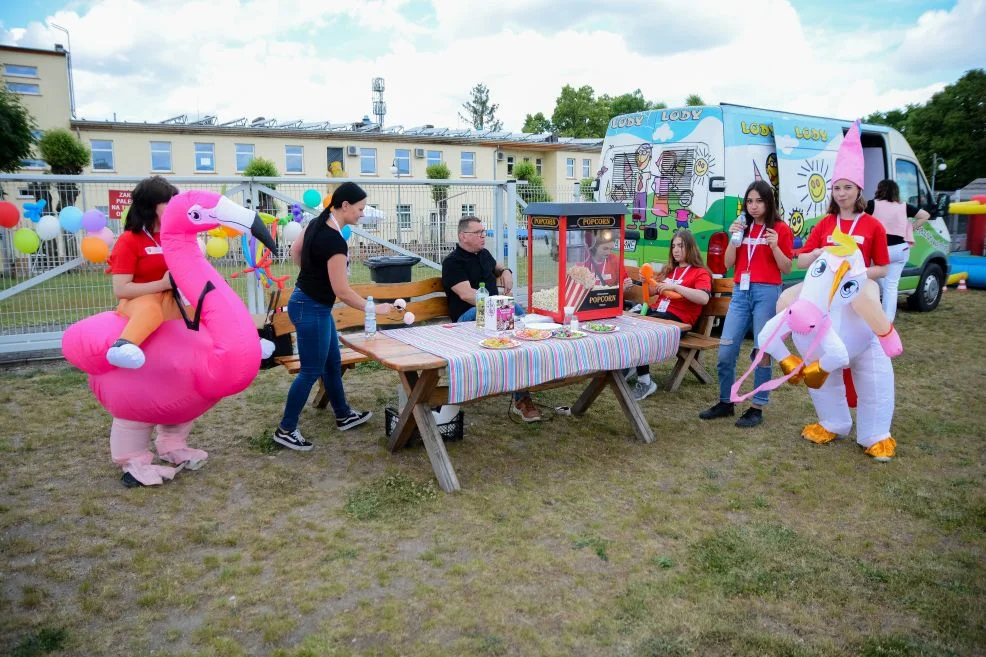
(697, 340)
(426, 299)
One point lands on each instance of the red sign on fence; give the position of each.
(119, 200)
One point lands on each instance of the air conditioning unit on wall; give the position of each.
(419, 153)
(352, 150)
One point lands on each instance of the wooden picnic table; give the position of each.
(419, 373)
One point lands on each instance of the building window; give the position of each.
(367, 161)
(24, 88)
(402, 158)
(20, 71)
(102, 155)
(35, 163)
(244, 153)
(537, 165)
(510, 164)
(570, 167)
(294, 159)
(161, 156)
(434, 157)
(468, 209)
(468, 164)
(404, 217)
(587, 168)
(205, 158)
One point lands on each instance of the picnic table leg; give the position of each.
(589, 395)
(630, 407)
(419, 389)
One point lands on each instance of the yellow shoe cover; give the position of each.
(882, 451)
(818, 434)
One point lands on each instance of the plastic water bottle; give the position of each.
(370, 321)
(482, 294)
(737, 237)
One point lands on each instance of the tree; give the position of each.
(694, 100)
(534, 189)
(537, 123)
(67, 156)
(480, 113)
(629, 103)
(260, 167)
(16, 132)
(579, 114)
(439, 193)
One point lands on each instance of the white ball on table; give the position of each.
(400, 305)
(408, 318)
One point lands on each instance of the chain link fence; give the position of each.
(42, 293)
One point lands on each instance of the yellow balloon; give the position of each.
(216, 247)
(216, 232)
(267, 219)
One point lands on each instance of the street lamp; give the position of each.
(937, 164)
(68, 57)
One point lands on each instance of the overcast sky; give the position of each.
(314, 59)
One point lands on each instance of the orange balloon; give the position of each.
(95, 249)
(326, 200)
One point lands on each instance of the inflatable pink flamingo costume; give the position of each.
(191, 364)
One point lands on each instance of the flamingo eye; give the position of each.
(849, 288)
(194, 214)
(818, 268)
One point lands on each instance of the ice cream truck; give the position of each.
(690, 167)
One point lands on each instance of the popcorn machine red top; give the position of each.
(575, 258)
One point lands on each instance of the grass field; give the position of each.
(568, 537)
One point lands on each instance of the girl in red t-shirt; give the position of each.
(140, 276)
(686, 287)
(761, 260)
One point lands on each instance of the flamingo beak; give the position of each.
(840, 273)
(242, 219)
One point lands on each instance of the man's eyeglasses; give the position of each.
(474, 232)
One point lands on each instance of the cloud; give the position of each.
(942, 40)
(786, 143)
(663, 133)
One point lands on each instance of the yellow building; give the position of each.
(40, 78)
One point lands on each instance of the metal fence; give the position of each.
(42, 293)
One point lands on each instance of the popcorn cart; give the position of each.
(575, 259)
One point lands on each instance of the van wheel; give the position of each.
(928, 293)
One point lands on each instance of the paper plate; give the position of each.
(568, 334)
(543, 326)
(531, 334)
(591, 327)
(499, 343)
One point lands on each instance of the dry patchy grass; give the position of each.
(568, 539)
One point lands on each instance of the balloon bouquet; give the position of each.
(95, 245)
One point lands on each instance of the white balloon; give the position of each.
(408, 318)
(49, 227)
(291, 231)
(400, 305)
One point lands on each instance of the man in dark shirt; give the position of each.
(462, 271)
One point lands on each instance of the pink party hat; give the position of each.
(849, 160)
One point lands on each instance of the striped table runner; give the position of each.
(474, 371)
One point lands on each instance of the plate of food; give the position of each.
(543, 326)
(599, 327)
(568, 334)
(499, 343)
(532, 334)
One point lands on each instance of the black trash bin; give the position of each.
(391, 269)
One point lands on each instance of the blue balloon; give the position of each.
(71, 219)
(347, 232)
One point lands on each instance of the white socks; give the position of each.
(125, 354)
(643, 379)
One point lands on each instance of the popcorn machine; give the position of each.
(575, 258)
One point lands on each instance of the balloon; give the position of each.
(292, 231)
(123, 216)
(347, 232)
(106, 235)
(33, 211)
(95, 249)
(49, 228)
(71, 219)
(93, 221)
(216, 247)
(326, 200)
(312, 198)
(283, 221)
(267, 219)
(9, 214)
(26, 240)
(216, 232)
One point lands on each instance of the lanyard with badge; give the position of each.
(335, 223)
(751, 246)
(838, 224)
(156, 250)
(677, 280)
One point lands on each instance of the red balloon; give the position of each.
(9, 214)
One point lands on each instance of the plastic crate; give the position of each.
(451, 431)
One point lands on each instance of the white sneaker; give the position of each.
(643, 390)
(126, 355)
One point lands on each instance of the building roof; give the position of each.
(36, 51)
(359, 131)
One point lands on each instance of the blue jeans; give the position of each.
(470, 316)
(754, 306)
(318, 351)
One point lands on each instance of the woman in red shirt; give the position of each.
(602, 262)
(762, 258)
(140, 276)
(687, 286)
